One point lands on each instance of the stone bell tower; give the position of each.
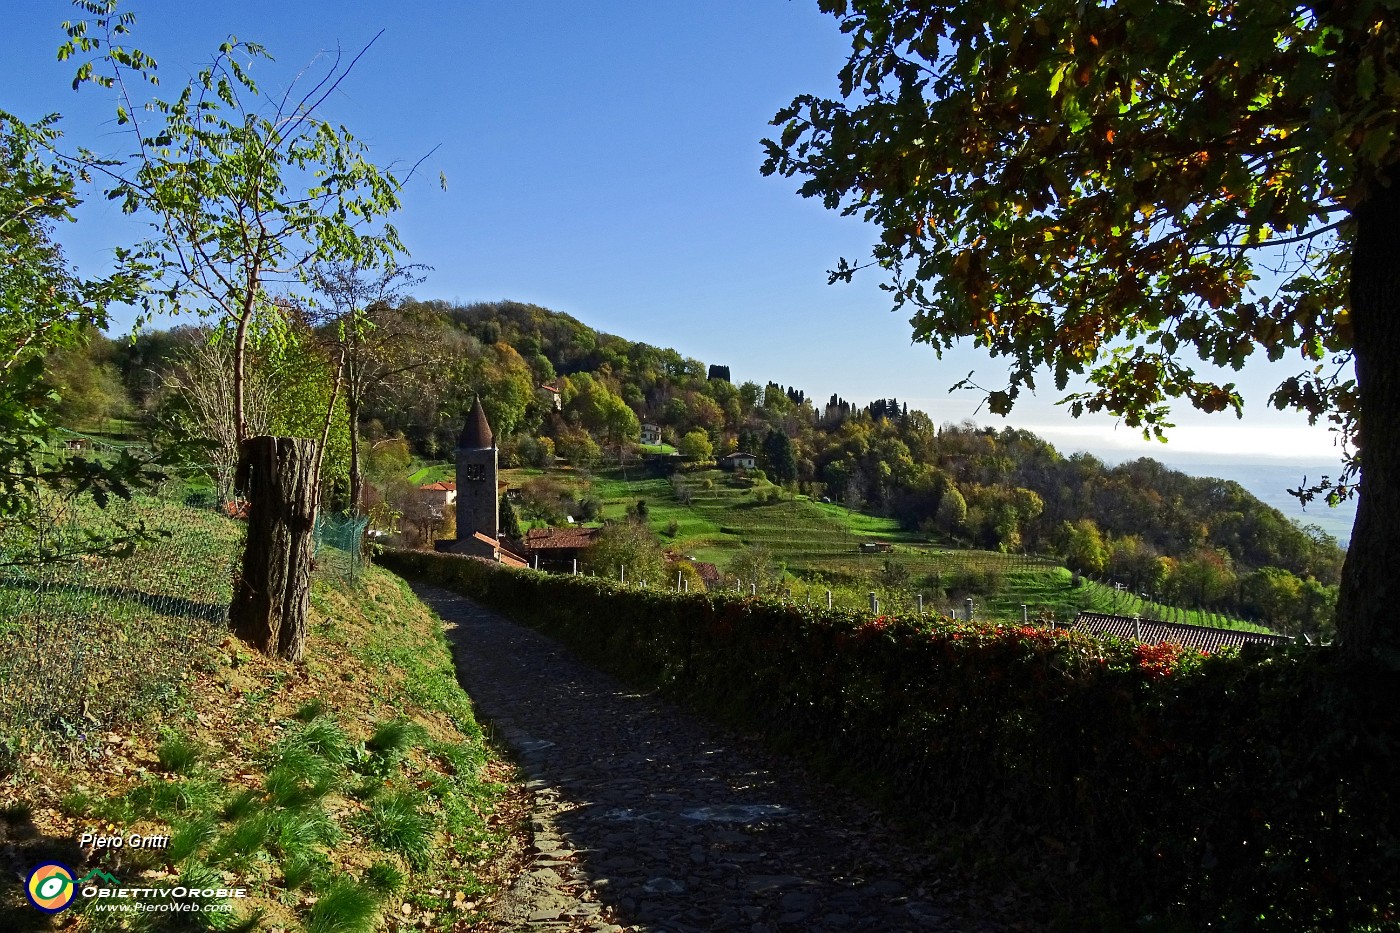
(478, 514)
(477, 509)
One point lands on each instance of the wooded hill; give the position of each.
(1195, 541)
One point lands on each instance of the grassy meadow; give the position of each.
(351, 792)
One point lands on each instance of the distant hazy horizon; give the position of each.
(1268, 478)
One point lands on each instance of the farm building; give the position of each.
(557, 548)
(738, 461)
(1149, 632)
(438, 496)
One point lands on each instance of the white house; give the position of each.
(738, 461)
(651, 434)
(439, 496)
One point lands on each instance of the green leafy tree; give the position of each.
(244, 193)
(627, 544)
(1083, 546)
(89, 387)
(374, 340)
(754, 565)
(44, 308)
(951, 517)
(696, 446)
(779, 460)
(1096, 189)
(510, 522)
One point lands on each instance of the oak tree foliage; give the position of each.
(1121, 191)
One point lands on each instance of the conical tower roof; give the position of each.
(476, 433)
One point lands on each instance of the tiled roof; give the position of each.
(707, 571)
(546, 539)
(444, 486)
(1149, 632)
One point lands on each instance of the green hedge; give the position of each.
(1163, 789)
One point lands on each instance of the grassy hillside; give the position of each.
(349, 793)
(711, 515)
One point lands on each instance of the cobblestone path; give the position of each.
(649, 819)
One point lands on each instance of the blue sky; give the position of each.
(602, 160)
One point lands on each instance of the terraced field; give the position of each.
(811, 537)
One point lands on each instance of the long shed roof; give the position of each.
(1149, 632)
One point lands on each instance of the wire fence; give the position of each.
(339, 546)
(91, 643)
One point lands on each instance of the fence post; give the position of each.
(678, 581)
(921, 604)
(1025, 615)
(685, 586)
(967, 610)
(575, 566)
(622, 573)
(874, 603)
(828, 599)
(753, 589)
(537, 560)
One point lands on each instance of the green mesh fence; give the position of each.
(339, 546)
(90, 643)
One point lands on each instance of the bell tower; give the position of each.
(477, 508)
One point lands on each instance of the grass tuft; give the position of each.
(309, 710)
(397, 822)
(324, 737)
(191, 838)
(302, 869)
(384, 878)
(298, 832)
(166, 799)
(393, 738)
(344, 907)
(179, 755)
(241, 804)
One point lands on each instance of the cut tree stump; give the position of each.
(272, 592)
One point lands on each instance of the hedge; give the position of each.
(1164, 788)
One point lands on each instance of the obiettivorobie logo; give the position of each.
(52, 888)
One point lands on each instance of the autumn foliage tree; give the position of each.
(1094, 190)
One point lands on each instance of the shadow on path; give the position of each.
(648, 818)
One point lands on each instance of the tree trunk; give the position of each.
(271, 594)
(1368, 612)
(352, 409)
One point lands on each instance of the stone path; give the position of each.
(648, 819)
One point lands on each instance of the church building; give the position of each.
(478, 509)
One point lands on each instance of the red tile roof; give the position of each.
(444, 486)
(1149, 632)
(707, 571)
